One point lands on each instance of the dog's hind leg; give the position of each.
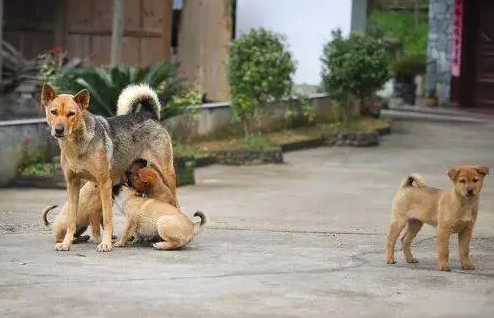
(413, 227)
(167, 245)
(394, 231)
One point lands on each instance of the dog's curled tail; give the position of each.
(135, 94)
(198, 227)
(45, 214)
(408, 181)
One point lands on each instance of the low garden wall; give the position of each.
(214, 119)
(19, 136)
(33, 135)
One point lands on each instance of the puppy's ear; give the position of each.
(453, 173)
(47, 94)
(82, 98)
(483, 170)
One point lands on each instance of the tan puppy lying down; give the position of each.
(148, 217)
(451, 211)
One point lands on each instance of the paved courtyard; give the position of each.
(303, 239)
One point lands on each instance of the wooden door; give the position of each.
(484, 78)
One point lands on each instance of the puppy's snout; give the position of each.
(470, 192)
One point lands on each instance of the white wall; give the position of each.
(306, 23)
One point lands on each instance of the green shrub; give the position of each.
(353, 66)
(259, 72)
(404, 27)
(105, 85)
(406, 68)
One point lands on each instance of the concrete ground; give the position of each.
(304, 239)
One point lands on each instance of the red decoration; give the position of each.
(457, 38)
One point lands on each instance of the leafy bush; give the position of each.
(52, 64)
(403, 26)
(406, 68)
(260, 71)
(105, 85)
(353, 66)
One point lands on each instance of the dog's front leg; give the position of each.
(73, 188)
(106, 201)
(443, 235)
(464, 238)
(130, 228)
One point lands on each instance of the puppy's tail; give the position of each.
(198, 227)
(139, 94)
(45, 214)
(408, 181)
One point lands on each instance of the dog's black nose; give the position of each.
(469, 192)
(59, 131)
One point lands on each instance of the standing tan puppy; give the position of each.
(452, 211)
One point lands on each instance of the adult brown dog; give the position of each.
(453, 211)
(101, 149)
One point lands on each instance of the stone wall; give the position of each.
(16, 136)
(439, 48)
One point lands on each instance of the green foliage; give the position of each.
(105, 85)
(257, 143)
(32, 162)
(406, 68)
(306, 110)
(52, 66)
(403, 26)
(259, 72)
(353, 66)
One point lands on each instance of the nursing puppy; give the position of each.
(451, 211)
(150, 217)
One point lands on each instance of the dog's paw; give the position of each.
(444, 267)
(412, 260)
(62, 247)
(468, 266)
(104, 247)
(390, 261)
(120, 244)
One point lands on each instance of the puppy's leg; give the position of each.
(73, 188)
(130, 228)
(106, 202)
(413, 227)
(464, 238)
(78, 237)
(443, 249)
(167, 245)
(394, 231)
(95, 222)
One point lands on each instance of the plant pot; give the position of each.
(431, 102)
(184, 170)
(406, 90)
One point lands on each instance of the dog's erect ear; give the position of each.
(483, 170)
(47, 94)
(453, 172)
(82, 98)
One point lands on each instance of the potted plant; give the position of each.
(260, 71)
(404, 71)
(354, 68)
(431, 99)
